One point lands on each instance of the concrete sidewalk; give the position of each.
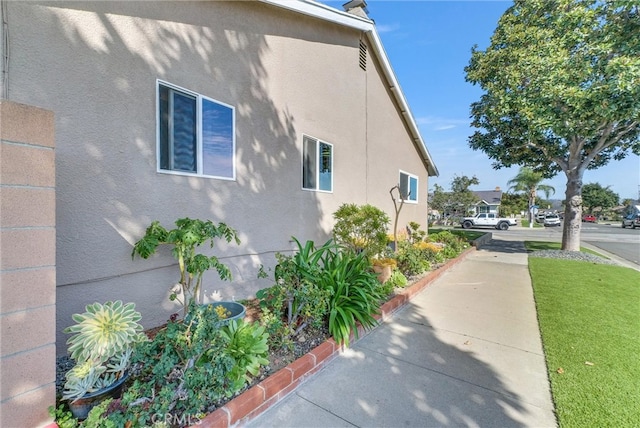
(464, 352)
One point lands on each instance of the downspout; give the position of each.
(4, 49)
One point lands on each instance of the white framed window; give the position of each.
(409, 187)
(317, 164)
(196, 134)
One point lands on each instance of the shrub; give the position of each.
(248, 348)
(411, 259)
(296, 296)
(355, 293)
(183, 370)
(397, 279)
(361, 228)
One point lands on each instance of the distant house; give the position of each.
(489, 201)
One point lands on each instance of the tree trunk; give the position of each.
(572, 211)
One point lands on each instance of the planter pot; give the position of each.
(236, 309)
(81, 407)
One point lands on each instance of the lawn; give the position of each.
(589, 317)
(469, 235)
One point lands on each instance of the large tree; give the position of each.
(529, 182)
(459, 199)
(596, 196)
(561, 81)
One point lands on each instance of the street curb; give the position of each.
(276, 387)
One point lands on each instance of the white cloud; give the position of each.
(387, 28)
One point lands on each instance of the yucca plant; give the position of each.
(101, 345)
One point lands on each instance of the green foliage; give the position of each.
(459, 199)
(513, 204)
(411, 259)
(561, 82)
(247, 345)
(183, 370)
(596, 196)
(397, 279)
(184, 240)
(415, 233)
(97, 417)
(101, 344)
(62, 416)
(361, 228)
(528, 182)
(296, 295)
(451, 240)
(355, 293)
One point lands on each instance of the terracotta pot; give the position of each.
(384, 273)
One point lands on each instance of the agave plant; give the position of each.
(101, 345)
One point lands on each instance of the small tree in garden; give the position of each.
(361, 228)
(185, 238)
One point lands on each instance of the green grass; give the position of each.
(469, 235)
(589, 317)
(543, 245)
(525, 223)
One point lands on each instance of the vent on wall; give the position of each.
(363, 56)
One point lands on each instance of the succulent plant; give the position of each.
(101, 345)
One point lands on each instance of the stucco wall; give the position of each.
(96, 64)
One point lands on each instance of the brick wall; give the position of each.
(27, 265)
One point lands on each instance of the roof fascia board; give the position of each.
(321, 11)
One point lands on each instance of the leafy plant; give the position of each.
(297, 296)
(248, 348)
(185, 239)
(361, 228)
(397, 279)
(62, 416)
(411, 259)
(101, 344)
(355, 293)
(183, 370)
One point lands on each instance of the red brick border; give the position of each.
(260, 397)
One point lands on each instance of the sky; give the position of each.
(428, 44)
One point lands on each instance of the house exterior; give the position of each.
(264, 115)
(489, 201)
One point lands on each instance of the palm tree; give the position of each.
(528, 181)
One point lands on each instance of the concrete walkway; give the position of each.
(464, 352)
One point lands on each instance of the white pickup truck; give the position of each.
(488, 220)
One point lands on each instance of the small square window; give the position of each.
(195, 134)
(317, 165)
(408, 187)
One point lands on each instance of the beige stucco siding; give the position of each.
(95, 65)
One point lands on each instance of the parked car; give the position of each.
(552, 220)
(488, 219)
(589, 218)
(632, 220)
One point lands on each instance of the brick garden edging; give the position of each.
(270, 391)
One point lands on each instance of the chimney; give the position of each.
(357, 7)
(497, 188)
